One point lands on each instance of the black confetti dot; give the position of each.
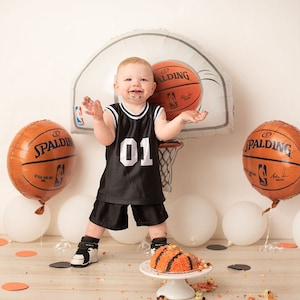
(60, 264)
(239, 267)
(216, 247)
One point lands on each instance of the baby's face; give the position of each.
(135, 83)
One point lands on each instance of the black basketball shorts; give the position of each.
(115, 217)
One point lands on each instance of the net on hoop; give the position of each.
(167, 153)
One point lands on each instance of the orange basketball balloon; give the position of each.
(271, 160)
(41, 160)
(178, 87)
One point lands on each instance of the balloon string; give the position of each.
(145, 247)
(273, 246)
(229, 243)
(268, 230)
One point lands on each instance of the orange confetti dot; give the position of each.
(3, 242)
(26, 253)
(14, 286)
(287, 245)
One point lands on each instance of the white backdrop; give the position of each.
(45, 44)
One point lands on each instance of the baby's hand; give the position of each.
(93, 108)
(193, 116)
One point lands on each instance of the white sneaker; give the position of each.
(86, 254)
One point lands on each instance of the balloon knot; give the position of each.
(41, 209)
(274, 204)
(266, 210)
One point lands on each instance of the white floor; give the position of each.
(117, 275)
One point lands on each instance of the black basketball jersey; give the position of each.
(131, 175)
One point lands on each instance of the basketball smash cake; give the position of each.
(172, 259)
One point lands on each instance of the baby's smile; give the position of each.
(135, 93)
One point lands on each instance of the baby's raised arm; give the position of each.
(93, 108)
(167, 130)
(104, 128)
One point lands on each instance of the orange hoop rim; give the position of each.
(171, 144)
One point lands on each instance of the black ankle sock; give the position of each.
(89, 239)
(157, 242)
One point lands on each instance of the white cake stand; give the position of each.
(176, 287)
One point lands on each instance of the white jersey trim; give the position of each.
(114, 114)
(132, 115)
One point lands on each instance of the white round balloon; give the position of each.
(192, 220)
(296, 228)
(20, 221)
(243, 223)
(133, 234)
(73, 217)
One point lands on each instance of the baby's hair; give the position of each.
(133, 60)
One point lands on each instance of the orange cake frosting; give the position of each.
(172, 259)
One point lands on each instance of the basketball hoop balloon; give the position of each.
(186, 77)
(271, 160)
(41, 160)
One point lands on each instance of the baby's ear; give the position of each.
(154, 87)
(116, 87)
